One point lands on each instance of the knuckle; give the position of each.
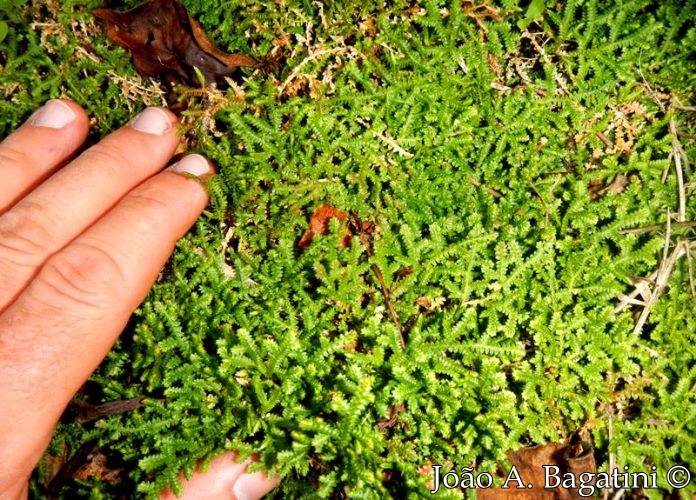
(106, 155)
(83, 275)
(12, 157)
(25, 235)
(153, 210)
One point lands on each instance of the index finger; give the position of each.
(43, 144)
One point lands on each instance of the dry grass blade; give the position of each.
(692, 283)
(679, 157)
(651, 289)
(657, 227)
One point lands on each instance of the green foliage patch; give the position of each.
(500, 153)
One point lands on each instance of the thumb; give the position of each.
(225, 478)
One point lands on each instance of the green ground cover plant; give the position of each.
(527, 171)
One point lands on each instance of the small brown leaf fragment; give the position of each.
(386, 423)
(495, 65)
(97, 466)
(599, 188)
(366, 230)
(319, 224)
(402, 273)
(164, 40)
(87, 462)
(425, 470)
(424, 302)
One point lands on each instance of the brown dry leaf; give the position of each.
(319, 224)
(69, 468)
(529, 463)
(386, 423)
(495, 65)
(424, 302)
(598, 188)
(54, 463)
(97, 466)
(164, 40)
(83, 412)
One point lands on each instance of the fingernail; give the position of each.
(152, 121)
(253, 486)
(53, 114)
(193, 164)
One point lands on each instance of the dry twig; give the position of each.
(651, 289)
(365, 230)
(657, 227)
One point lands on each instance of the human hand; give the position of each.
(80, 247)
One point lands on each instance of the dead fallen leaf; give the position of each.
(164, 40)
(319, 224)
(529, 463)
(83, 412)
(87, 462)
(54, 463)
(402, 273)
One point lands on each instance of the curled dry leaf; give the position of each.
(164, 40)
(319, 224)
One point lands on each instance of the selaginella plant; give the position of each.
(500, 154)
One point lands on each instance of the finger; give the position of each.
(45, 141)
(225, 479)
(58, 330)
(74, 197)
(254, 485)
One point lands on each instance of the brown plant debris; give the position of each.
(87, 462)
(480, 12)
(319, 224)
(387, 423)
(165, 41)
(650, 288)
(82, 412)
(529, 463)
